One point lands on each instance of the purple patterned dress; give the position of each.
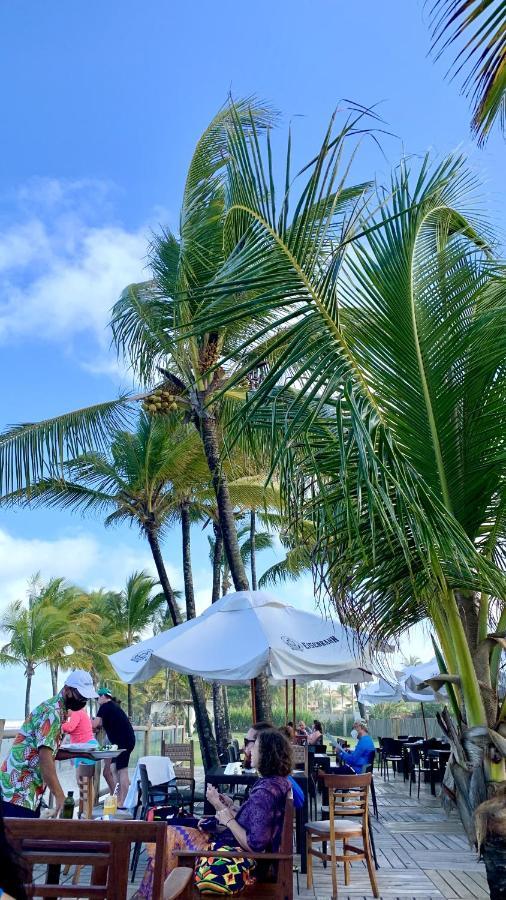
(261, 816)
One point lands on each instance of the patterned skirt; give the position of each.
(179, 837)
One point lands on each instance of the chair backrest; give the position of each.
(145, 784)
(105, 846)
(404, 737)
(300, 757)
(237, 747)
(369, 765)
(391, 745)
(348, 794)
(183, 759)
(233, 756)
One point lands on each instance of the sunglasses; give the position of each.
(249, 741)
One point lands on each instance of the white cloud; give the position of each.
(64, 261)
(81, 559)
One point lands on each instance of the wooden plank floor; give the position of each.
(422, 854)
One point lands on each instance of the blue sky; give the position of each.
(101, 106)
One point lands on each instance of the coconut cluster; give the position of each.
(161, 401)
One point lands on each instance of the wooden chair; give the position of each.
(183, 759)
(86, 785)
(348, 798)
(300, 757)
(103, 846)
(278, 884)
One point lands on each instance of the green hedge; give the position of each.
(240, 719)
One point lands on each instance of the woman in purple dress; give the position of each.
(257, 825)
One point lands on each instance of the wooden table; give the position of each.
(216, 776)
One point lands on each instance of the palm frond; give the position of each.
(36, 450)
(478, 27)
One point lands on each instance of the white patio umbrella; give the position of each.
(406, 688)
(245, 634)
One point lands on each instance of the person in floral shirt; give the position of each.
(30, 765)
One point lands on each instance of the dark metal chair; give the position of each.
(391, 752)
(149, 796)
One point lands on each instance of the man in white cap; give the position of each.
(30, 765)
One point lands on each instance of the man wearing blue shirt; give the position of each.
(359, 757)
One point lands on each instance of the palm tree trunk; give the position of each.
(53, 668)
(361, 707)
(189, 592)
(204, 730)
(129, 701)
(29, 676)
(209, 434)
(219, 717)
(217, 560)
(170, 596)
(253, 561)
(219, 691)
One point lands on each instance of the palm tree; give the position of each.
(392, 446)
(153, 478)
(38, 634)
(132, 611)
(149, 322)
(477, 27)
(75, 607)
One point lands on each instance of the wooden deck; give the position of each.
(422, 854)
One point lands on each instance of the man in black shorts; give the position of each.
(119, 731)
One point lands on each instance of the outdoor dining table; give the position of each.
(216, 776)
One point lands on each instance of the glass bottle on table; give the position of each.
(68, 806)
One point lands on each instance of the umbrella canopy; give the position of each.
(406, 687)
(244, 634)
(380, 692)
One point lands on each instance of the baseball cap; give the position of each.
(104, 692)
(82, 682)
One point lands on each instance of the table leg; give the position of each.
(53, 873)
(432, 777)
(301, 817)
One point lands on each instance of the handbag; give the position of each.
(218, 875)
(172, 816)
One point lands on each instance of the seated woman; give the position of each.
(317, 733)
(257, 825)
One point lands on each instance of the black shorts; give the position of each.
(14, 811)
(122, 759)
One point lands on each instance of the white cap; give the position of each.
(82, 682)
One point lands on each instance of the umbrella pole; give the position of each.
(424, 722)
(294, 704)
(253, 700)
(286, 701)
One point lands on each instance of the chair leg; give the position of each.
(333, 863)
(309, 845)
(373, 846)
(346, 865)
(370, 867)
(135, 859)
(374, 801)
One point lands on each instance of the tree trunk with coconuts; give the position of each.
(206, 424)
(203, 723)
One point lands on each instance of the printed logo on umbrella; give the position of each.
(142, 655)
(308, 645)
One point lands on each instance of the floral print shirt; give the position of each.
(20, 775)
